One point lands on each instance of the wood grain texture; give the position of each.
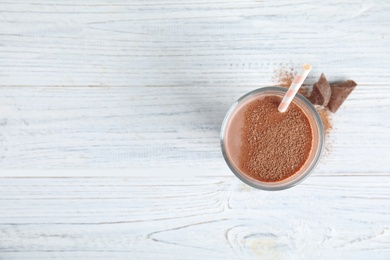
(110, 113)
(116, 127)
(193, 217)
(192, 43)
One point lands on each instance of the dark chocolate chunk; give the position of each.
(340, 92)
(321, 92)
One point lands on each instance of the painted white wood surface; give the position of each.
(171, 42)
(109, 130)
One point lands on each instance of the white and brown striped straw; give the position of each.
(293, 89)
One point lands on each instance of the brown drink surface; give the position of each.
(274, 145)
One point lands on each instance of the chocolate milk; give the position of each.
(266, 145)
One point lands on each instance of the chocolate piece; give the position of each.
(340, 92)
(321, 92)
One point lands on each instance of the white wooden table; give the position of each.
(110, 114)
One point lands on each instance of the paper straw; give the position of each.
(293, 89)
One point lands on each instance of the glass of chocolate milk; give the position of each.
(268, 149)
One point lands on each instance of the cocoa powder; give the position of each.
(285, 75)
(274, 145)
(326, 119)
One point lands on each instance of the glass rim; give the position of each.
(263, 185)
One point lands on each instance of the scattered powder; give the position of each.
(326, 119)
(304, 91)
(274, 145)
(284, 76)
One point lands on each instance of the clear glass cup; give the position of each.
(231, 146)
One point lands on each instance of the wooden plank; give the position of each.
(190, 217)
(198, 43)
(116, 127)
